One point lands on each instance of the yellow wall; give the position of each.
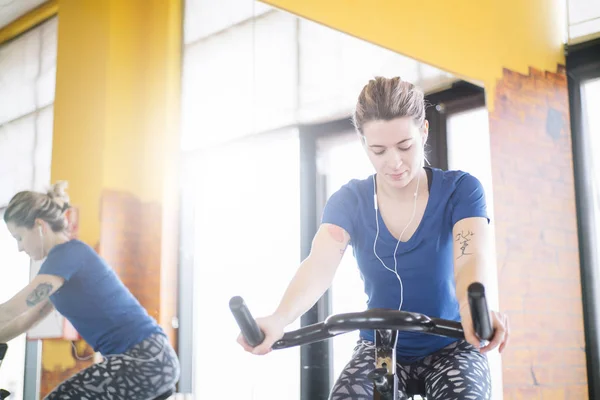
(472, 39)
(117, 100)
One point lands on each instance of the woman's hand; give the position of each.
(272, 326)
(500, 328)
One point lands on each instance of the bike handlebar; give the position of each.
(252, 333)
(370, 319)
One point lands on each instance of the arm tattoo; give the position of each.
(39, 294)
(464, 239)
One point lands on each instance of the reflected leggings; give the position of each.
(456, 372)
(143, 372)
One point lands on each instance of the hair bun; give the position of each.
(59, 195)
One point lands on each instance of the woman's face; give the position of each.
(395, 149)
(31, 241)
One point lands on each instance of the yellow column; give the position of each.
(116, 142)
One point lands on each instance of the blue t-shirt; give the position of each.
(425, 262)
(98, 305)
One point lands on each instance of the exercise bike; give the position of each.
(3, 347)
(386, 324)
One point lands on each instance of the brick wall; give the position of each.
(537, 245)
(131, 242)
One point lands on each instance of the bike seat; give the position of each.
(415, 387)
(165, 395)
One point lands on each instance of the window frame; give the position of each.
(583, 64)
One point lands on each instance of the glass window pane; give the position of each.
(46, 81)
(591, 126)
(247, 239)
(17, 142)
(468, 140)
(335, 66)
(15, 275)
(591, 116)
(19, 63)
(240, 82)
(207, 17)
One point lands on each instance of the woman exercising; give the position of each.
(138, 360)
(420, 236)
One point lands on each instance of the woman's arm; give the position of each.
(472, 257)
(25, 321)
(38, 291)
(472, 252)
(315, 274)
(312, 279)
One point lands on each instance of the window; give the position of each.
(468, 141)
(15, 276)
(247, 228)
(27, 71)
(27, 83)
(583, 72)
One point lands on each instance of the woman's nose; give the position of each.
(396, 159)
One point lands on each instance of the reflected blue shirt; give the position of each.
(95, 301)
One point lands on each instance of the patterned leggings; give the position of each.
(456, 372)
(154, 371)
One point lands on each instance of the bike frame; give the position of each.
(385, 322)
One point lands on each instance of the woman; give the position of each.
(420, 236)
(139, 362)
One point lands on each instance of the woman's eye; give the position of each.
(405, 148)
(378, 153)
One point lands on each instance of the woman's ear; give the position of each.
(425, 132)
(39, 225)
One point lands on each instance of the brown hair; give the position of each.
(26, 206)
(385, 99)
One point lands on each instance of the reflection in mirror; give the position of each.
(133, 356)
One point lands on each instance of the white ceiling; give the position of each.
(13, 9)
(583, 19)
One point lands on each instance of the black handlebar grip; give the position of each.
(479, 311)
(3, 348)
(252, 333)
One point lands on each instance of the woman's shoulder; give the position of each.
(73, 247)
(353, 193)
(357, 186)
(456, 179)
